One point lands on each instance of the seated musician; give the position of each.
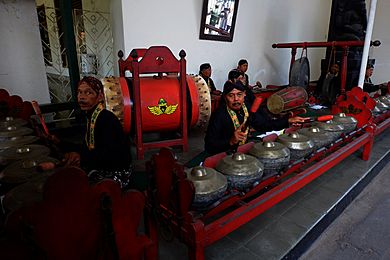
(235, 76)
(243, 67)
(105, 152)
(372, 89)
(205, 73)
(224, 129)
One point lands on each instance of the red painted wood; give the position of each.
(69, 223)
(148, 91)
(356, 104)
(231, 221)
(341, 44)
(211, 162)
(200, 230)
(383, 124)
(127, 210)
(318, 44)
(66, 223)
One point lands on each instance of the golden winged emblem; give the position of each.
(162, 108)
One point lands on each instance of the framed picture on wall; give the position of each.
(218, 20)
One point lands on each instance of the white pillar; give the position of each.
(367, 42)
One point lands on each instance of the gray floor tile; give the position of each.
(326, 196)
(267, 245)
(246, 232)
(339, 184)
(244, 253)
(287, 231)
(302, 217)
(263, 220)
(221, 249)
(314, 204)
(172, 250)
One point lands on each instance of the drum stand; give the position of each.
(156, 60)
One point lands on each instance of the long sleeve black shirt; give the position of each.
(221, 127)
(112, 150)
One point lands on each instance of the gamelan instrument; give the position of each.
(319, 136)
(349, 122)
(242, 170)
(11, 121)
(25, 194)
(335, 129)
(18, 141)
(25, 170)
(12, 131)
(287, 99)
(300, 146)
(300, 73)
(163, 97)
(25, 152)
(273, 155)
(209, 185)
(160, 102)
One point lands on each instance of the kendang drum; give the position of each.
(160, 98)
(287, 99)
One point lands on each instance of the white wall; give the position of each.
(22, 71)
(117, 31)
(175, 23)
(381, 54)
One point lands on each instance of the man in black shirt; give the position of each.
(371, 88)
(205, 73)
(235, 76)
(224, 129)
(243, 67)
(105, 148)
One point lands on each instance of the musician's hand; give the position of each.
(238, 136)
(297, 120)
(46, 166)
(72, 159)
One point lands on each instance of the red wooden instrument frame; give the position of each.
(198, 230)
(345, 45)
(156, 59)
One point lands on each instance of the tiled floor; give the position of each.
(275, 232)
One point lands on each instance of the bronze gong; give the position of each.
(25, 170)
(25, 152)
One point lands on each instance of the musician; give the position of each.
(243, 67)
(205, 73)
(235, 76)
(105, 151)
(372, 89)
(224, 129)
